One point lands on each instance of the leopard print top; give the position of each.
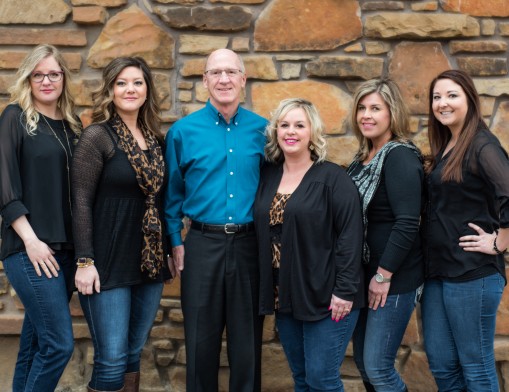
(276, 221)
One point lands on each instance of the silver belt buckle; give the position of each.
(226, 226)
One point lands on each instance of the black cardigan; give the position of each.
(321, 242)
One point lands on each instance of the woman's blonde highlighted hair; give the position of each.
(390, 93)
(21, 92)
(318, 144)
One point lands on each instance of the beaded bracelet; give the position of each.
(84, 262)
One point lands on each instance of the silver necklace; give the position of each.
(66, 156)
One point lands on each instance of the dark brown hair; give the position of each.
(104, 108)
(439, 134)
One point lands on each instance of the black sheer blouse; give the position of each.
(482, 198)
(34, 180)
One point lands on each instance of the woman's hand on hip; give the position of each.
(481, 242)
(87, 279)
(339, 308)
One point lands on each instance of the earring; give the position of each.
(311, 147)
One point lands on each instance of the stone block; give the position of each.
(201, 94)
(183, 2)
(477, 47)
(177, 377)
(503, 28)
(345, 67)
(483, 66)
(412, 335)
(269, 329)
(163, 90)
(191, 108)
(132, 33)
(227, 18)
(500, 127)
(332, 102)
(488, 27)
(170, 303)
(416, 374)
(383, 5)
(185, 96)
(91, 15)
(497, 8)
(193, 67)
(240, 44)
(342, 149)
(290, 71)
(377, 47)
(82, 91)
(175, 315)
(6, 81)
(172, 289)
(422, 142)
(397, 25)
(104, 3)
(413, 66)
(494, 87)
(275, 370)
(4, 284)
(425, 6)
(59, 37)
(357, 47)
(159, 316)
(260, 67)
(74, 306)
(238, 1)
(328, 25)
(185, 85)
(169, 331)
(33, 12)
(10, 324)
(201, 44)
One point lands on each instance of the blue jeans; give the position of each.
(315, 350)
(458, 321)
(46, 342)
(376, 340)
(119, 320)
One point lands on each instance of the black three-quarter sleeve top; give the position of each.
(481, 198)
(393, 221)
(108, 208)
(34, 180)
(321, 242)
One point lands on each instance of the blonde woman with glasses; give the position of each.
(38, 131)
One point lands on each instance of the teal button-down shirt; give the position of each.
(214, 168)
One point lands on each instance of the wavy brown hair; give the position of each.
(21, 91)
(439, 134)
(104, 108)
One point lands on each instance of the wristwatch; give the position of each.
(381, 279)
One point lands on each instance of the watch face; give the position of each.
(379, 278)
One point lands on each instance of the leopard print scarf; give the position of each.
(150, 177)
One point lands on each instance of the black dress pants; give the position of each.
(220, 285)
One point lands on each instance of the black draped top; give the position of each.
(34, 180)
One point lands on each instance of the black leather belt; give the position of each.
(228, 228)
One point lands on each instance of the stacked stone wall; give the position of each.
(315, 49)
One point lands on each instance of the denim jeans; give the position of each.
(458, 322)
(46, 342)
(119, 320)
(376, 340)
(315, 350)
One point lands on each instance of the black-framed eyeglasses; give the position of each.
(55, 76)
(217, 73)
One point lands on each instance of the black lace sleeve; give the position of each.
(493, 166)
(94, 148)
(11, 189)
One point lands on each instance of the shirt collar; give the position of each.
(214, 113)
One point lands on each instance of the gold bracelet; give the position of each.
(84, 262)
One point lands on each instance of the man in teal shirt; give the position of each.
(214, 157)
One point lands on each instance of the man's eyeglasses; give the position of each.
(217, 73)
(38, 77)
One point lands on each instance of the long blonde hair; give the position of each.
(21, 92)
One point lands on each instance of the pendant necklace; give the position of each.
(66, 156)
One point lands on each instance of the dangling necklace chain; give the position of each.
(66, 156)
